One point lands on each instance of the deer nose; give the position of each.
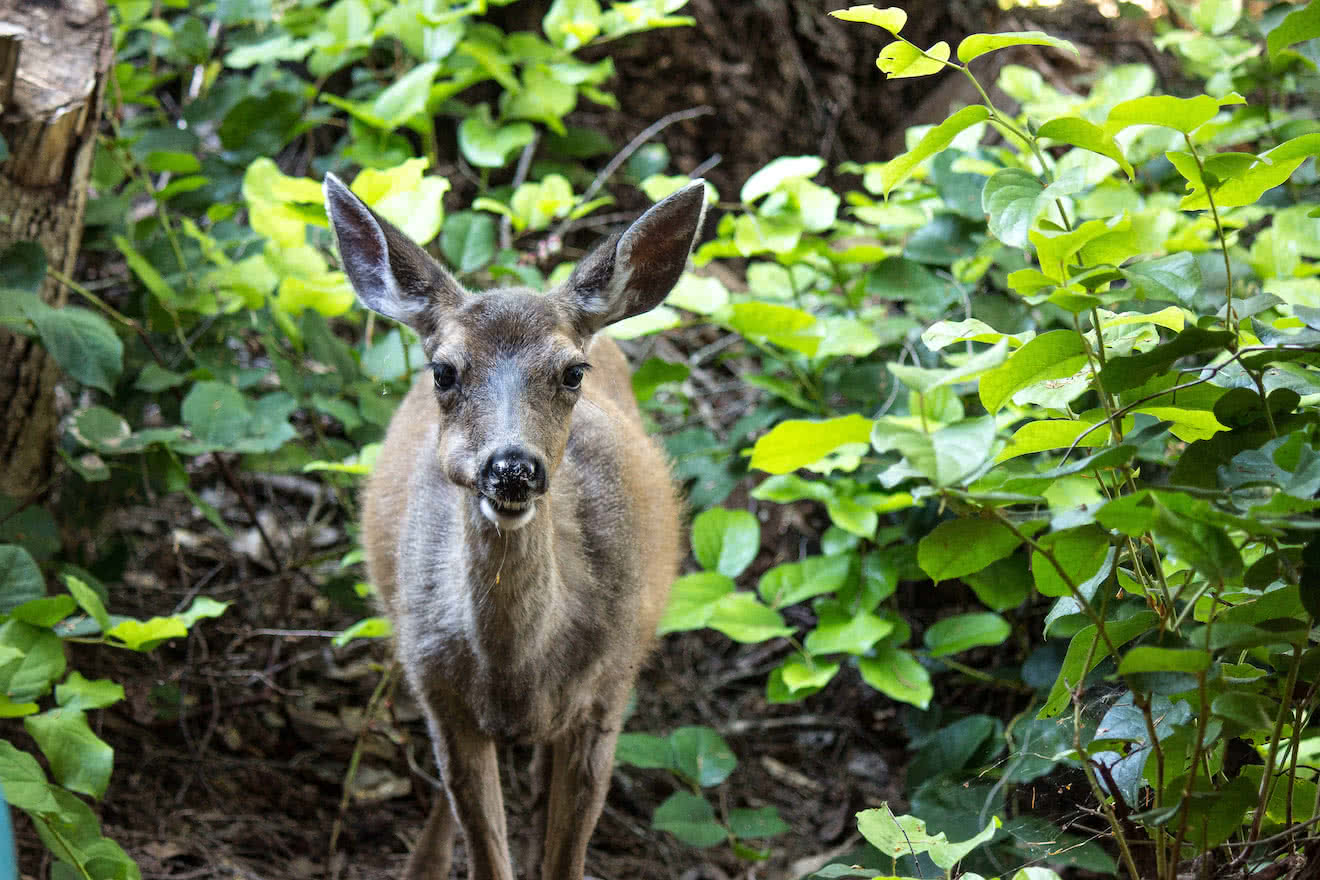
(513, 474)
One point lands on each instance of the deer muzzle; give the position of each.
(510, 482)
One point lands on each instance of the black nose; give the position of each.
(513, 474)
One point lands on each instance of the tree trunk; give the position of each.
(54, 61)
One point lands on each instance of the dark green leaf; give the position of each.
(1122, 373)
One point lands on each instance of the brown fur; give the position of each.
(533, 634)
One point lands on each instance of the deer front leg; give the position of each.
(581, 763)
(433, 853)
(470, 767)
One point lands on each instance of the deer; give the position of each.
(520, 525)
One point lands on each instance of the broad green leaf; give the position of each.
(949, 456)
(20, 578)
(742, 617)
(692, 601)
(1001, 585)
(1204, 546)
(840, 632)
(701, 755)
(901, 167)
(703, 295)
(690, 818)
(1252, 711)
(644, 750)
(924, 380)
(1175, 277)
(89, 600)
(891, 18)
(1181, 114)
(79, 759)
(1146, 658)
(792, 582)
(544, 97)
(1133, 371)
(468, 241)
(942, 334)
(146, 272)
(1087, 643)
(748, 822)
(487, 144)
(725, 540)
(143, 635)
(46, 611)
(405, 97)
(1089, 136)
(1045, 434)
(959, 547)
(901, 59)
(1012, 200)
(24, 782)
(1302, 24)
(41, 665)
(796, 443)
(962, 632)
(366, 628)
(766, 180)
(655, 372)
(78, 692)
(978, 44)
(1080, 552)
(216, 412)
(572, 23)
(797, 678)
(1053, 355)
(897, 674)
(83, 344)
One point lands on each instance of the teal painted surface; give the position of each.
(8, 863)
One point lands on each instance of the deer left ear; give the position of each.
(632, 273)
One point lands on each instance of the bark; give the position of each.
(54, 61)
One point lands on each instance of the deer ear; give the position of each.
(633, 272)
(391, 274)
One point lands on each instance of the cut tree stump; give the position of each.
(55, 59)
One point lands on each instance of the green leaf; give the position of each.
(838, 631)
(1081, 552)
(1302, 24)
(960, 547)
(786, 168)
(978, 44)
(1012, 199)
(1204, 546)
(897, 674)
(488, 145)
(572, 23)
(216, 412)
(1176, 277)
(78, 692)
(725, 540)
(24, 782)
(1089, 136)
(793, 582)
(644, 750)
(745, 822)
(1087, 644)
(742, 617)
(468, 240)
(79, 759)
(41, 665)
(962, 632)
(20, 578)
(690, 818)
(1145, 658)
(1181, 114)
(1252, 711)
(89, 600)
(701, 755)
(366, 628)
(797, 678)
(98, 428)
(900, 168)
(83, 344)
(406, 97)
(891, 19)
(146, 273)
(796, 443)
(692, 601)
(900, 59)
(1057, 354)
(144, 635)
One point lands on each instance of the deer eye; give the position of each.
(573, 376)
(446, 377)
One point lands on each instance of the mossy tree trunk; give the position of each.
(54, 62)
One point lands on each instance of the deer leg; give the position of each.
(540, 773)
(471, 771)
(431, 856)
(581, 763)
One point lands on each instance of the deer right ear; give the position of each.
(391, 274)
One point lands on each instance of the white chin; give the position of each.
(507, 519)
